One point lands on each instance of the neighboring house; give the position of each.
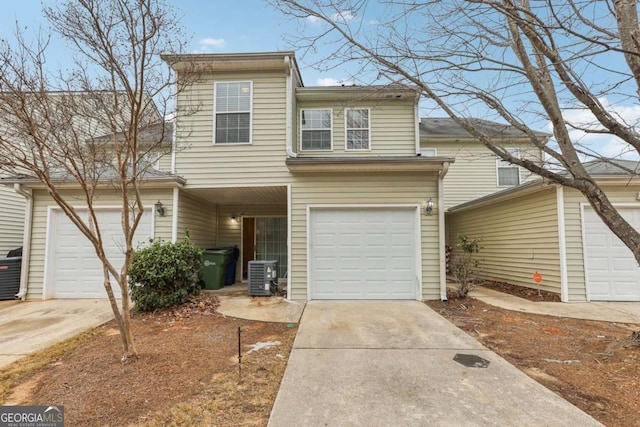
(477, 171)
(550, 229)
(58, 261)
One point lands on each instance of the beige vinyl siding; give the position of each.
(229, 234)
(474, 173)
(573, 232)
(199, 217)
(205, 164)
(518, 238)
(12, 206)
(363, 189)
(41, 203)
(392, 125)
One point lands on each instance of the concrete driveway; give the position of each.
(30, 326)
(386, 363)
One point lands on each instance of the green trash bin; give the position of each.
(214, 264)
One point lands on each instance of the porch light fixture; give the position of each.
(234, 219)
(160, 208)
(428, 209)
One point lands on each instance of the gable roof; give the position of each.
(160, 133)
(445, 127)
(612, 167)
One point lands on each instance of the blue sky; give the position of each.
(215, 26)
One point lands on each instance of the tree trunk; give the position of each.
(122, 317)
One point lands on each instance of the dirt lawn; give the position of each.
(593, 365)
(187, 373)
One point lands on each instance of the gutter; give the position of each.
(441, 232)
(289, 108)
(26, 240)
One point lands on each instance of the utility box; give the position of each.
(10, 277)
(262, 276)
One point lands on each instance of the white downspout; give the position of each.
(441, 233)
(289, 277)
(174, 144)
(174, 218)
(416, 113)
(562, 242)
(26, 240)
(289, 109)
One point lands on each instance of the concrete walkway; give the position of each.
(26, 327)
(619, 312)
(393, 363)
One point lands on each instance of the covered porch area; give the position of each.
(255, 219)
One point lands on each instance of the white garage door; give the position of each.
(363, 253)
(74, 270)
(612, 271)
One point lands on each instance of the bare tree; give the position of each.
(92, 125)
(523, 62)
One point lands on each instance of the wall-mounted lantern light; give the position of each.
(160, 208)
(234, 219)
(428, 209)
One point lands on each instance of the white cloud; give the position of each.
(344, 15)
(605, 145)
(210, 43)
(330, 81)
(313, 20)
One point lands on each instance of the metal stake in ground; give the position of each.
(239, 356)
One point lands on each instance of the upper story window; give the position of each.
(508, 174)
(357, 129)
(232, 112)
(315, 130)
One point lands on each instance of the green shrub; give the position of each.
(465, 262)
(164, 274)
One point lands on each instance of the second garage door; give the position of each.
(611, 270)
(363, 253)
(74, 270)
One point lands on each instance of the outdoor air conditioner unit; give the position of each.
(262, 276)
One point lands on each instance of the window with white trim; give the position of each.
(357, 129)
(232, 112)
(508, 173)
(315, 128)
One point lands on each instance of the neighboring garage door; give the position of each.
(611, 270)
(363, 253)
(74, 270)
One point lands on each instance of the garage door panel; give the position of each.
(612, 271)
(373, 255)
(74, 270)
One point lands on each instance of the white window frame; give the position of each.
(347, 129)
(330, 110)
(216, 112)
(501, 164)
(430, 149)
